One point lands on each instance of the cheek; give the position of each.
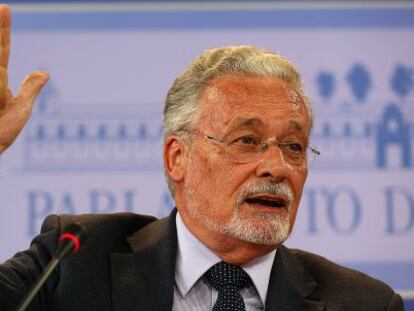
(206, 176)
(298, 182)
(217, 180)
(222, 185)
(221, 190)
(299, 179)
(214, 169)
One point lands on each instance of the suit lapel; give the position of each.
(144, 279)
(291, 287)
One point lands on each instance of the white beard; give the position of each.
(273, 228)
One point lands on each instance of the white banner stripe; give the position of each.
(215, 6)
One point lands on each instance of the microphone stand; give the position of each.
(33, 291)
(68, 243)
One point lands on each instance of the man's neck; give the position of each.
(228, 248)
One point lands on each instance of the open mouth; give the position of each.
(267, 202)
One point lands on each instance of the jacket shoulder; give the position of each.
(105, 234)
(340, 285)
(100, 229)
(124, 221)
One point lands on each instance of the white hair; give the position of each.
(184, 95)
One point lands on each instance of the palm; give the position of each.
(14, 111)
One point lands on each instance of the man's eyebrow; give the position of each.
(256, 122)
(246, 121)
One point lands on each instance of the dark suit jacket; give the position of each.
(128, 263)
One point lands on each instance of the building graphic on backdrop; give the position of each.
(349, 134)
(91, 137)
(360, 133)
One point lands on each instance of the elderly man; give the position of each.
(236, 137)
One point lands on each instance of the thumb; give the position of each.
(30, 88)
(14, 120)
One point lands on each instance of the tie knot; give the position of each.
(226, 275)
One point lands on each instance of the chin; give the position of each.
(272, 230)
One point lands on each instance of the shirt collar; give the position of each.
(194, 259)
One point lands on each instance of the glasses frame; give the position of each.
(263, 144)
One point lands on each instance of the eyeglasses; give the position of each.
(250, 148)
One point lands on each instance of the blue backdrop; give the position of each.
(94, 142)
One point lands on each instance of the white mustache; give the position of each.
(270, 188)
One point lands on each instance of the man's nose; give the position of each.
(272, 163)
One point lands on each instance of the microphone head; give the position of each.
(71, 239)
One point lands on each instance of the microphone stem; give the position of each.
(33, 291)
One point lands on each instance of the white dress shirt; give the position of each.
(193, 292)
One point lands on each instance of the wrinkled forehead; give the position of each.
(251, 101)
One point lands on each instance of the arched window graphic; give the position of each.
(393, 130)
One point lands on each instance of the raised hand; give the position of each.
(14, 111)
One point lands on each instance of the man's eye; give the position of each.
(246, 140)
(295, 147)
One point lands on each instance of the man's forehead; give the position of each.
(233, 84)
(241, 90)
(235, 101)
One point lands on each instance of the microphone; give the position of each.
(69, 243)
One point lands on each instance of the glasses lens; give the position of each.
(251, 152)
(243, 153)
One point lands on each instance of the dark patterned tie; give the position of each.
(228, 280)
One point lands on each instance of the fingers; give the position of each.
(3, 88)
(5, 25)
(31, 87)
(5, 22)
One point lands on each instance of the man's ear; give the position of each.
(175, 158)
